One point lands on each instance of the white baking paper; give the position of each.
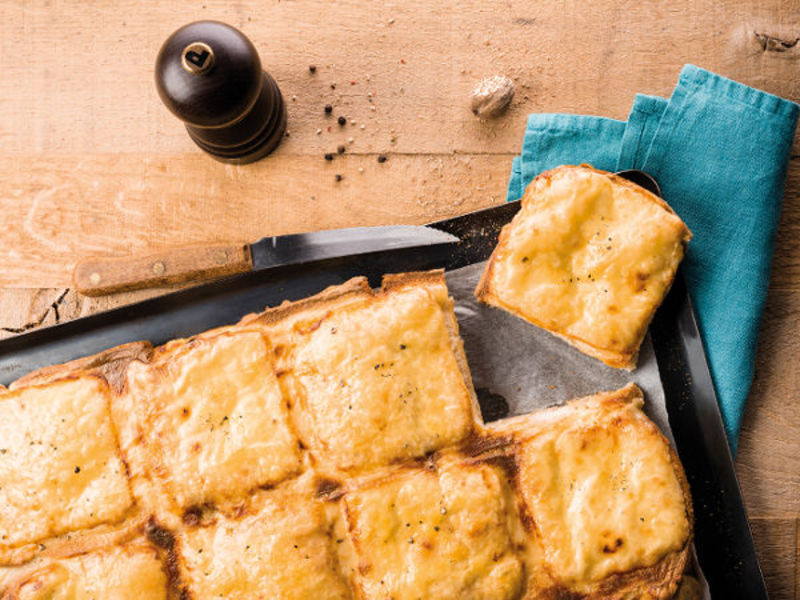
(531, 369)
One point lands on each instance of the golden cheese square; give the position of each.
(606, 492)
(215, 423)
(60, 466)
(589, 257)
(132, 571)
(444, 534)
(279, 547)
(384, 379)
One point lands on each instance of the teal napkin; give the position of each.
(720, 151)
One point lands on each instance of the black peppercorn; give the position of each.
(340, 149)
(342, 121)
(381, 158)
(328, 109)
(312, 68)
(329, 156)
(338, 177)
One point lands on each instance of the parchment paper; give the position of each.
(529, 368)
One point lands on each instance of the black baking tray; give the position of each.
(723, 539)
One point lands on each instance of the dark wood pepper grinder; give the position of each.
(208, 74)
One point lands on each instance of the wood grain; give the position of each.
(188, 264)
(122, 204)
(776, 542)
(92, 164)
(769, 446)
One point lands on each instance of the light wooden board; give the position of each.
(91, 162)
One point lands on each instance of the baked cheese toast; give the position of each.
(589, 257)
(327, 448)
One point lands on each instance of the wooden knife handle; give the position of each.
(98, 276)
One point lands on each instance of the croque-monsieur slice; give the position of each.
(606, 495)
(62, 478)
(589, 257)
(132, 570)
(374, 377)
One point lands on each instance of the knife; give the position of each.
(472, 237)
(98, 276)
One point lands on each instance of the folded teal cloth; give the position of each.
(720, 151)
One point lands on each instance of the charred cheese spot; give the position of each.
(573, 285)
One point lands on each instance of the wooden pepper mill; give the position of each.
(209, 75)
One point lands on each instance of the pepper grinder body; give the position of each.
(209, 75)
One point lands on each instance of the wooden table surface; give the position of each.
(91, 163)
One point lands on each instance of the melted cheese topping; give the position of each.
(60, 468)
(601, 487)
(429, 535)
(129, 572)
(280, 550)
(215, 419)
(380, 382)
(588, 258)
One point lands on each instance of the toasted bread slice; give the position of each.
(253, 470)
(276, 545)
(61, 469)
(213, 422)
(128, 571)
(589, 257)
(450, 529)
(607, 496)
(374, 378)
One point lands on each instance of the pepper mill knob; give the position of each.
(208, 74)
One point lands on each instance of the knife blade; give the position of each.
(98, 276)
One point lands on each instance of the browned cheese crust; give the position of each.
(327, 448)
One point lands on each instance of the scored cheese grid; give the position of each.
(312, 522)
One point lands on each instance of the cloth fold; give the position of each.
(720, 152)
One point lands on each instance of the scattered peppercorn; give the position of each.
(338, 177)
(328, 109)
(340, 149)
(77, 469)
(381, 158)
(312, 68)
(342, 121)
(328, 156)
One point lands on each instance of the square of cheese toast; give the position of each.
(444, 533)
(379, 379)
(60, 465)
(278, 545)
(607, 494)
(214, 423)
(129, 571)
(589, 257)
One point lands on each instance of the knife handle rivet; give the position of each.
(158, 268)
(94, 278)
